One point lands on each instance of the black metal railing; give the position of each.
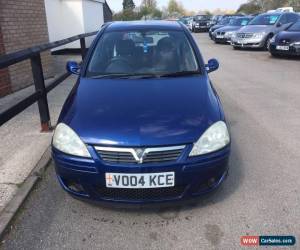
(41, 90)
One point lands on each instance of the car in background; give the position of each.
(201, 23)
(224, 22)
(224, 34)
(286, 43)
(187, 21)
(259, 32)
(215, 20)
(143, 123)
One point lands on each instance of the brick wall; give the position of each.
(24, 25)
(4, 76)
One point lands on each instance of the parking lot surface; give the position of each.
(260, 95)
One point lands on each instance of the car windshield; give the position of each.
(201, 18)
(142, 53)
(265, 19)
(225, 21)
(184, 20)
(295, 27)
(239, 21)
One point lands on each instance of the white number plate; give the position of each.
(151, 180)
(282, 47)
(219, 36)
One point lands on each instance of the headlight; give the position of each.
(67, 141)
(258, 35)
(295, 43)
(228, 34)
(213, 139)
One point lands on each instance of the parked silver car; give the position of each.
(259, 32)
(224, 34)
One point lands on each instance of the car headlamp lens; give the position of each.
(229, 34)
(258, 35)
(296, 43)
(213, 139)
(67, 141)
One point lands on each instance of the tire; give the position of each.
(267, 43)
(274, 55)
(236, 48)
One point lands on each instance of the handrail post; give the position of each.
(39, 83)
(82, 47)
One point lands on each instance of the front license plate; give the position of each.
(220, 37)
(149, 180)
(282, 47)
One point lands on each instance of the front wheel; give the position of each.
(268, 42)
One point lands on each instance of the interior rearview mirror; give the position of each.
(212, 65)
(73, 67)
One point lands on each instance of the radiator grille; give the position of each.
(139, 155)
(140, 194)
(244, 35)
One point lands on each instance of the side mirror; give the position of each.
(73, 67)
(279, 25)
(212, 65)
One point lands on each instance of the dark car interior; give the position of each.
(142, 53)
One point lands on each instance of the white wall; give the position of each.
(66, 18)
(93, 17)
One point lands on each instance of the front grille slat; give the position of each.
(244, 35)
(140, 194)
(130, 155)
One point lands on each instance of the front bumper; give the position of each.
(201, 28)
(293, 50)
(193, 177)
(248, 42)
(222, 40)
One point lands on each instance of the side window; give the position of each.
(292, 18)
(283, 19)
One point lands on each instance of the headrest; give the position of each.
(125, 47)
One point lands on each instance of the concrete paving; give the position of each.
(22, 144)
(260, 197)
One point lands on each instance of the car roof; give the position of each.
(144, 25)
(272, 13)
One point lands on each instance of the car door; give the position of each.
(292, 18)
(282, 23)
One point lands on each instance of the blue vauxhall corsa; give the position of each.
(143, 123)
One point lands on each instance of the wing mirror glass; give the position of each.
(73, 67)
(212, 65)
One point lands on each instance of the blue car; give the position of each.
(143, 123)
(286, 43)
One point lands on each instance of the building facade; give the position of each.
(26, 23)
(22, 25)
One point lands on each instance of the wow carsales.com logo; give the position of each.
(268, 240)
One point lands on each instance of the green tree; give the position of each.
(295, 4)
(175, 7)
(249, 8)
(128, 5)
(149, 8)
(150, 4)
(253, 6)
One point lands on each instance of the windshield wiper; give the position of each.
(181, 73)
(144, 76)
(121, 75)
(125, 76)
